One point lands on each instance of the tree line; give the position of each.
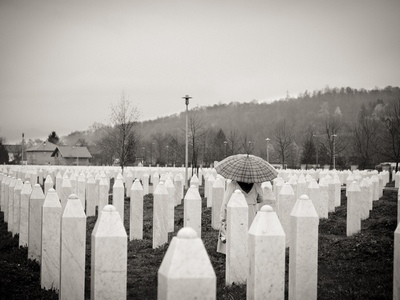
(341, 126)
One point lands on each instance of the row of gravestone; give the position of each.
(192, 196)
(58, 235)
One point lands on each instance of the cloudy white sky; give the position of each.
(62, 63)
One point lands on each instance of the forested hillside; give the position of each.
(322, 120)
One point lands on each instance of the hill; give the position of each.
(245, 126)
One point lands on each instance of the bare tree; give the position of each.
(122, 137)
(283, 139)
(3, 151)
(365, 136)
(309, 150)
(247, 143)
(332, 126)
(233, 140)
(390, 140)
(196, 132)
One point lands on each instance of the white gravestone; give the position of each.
(171, 204)
(34, 177)
(118, 198)
(73, 246)
(398, 207)
(269, 196)
(370, 193)
(59, 180)
(218, 191)
(160, 214)
(103, 193)
(72, 180)
(66, 191)
(81, 189)
(364, 209)
(17, 205)
(186, 271)
(353, 220)
(301, 187)
(293, 182)
(2, 191)
(324, 194)
(145, 183)
(10, 224)
(375, 184)
(128, 183)
(48, 184)
(396, 264)
(286, 201)
(35, 223)
(397, 179)
(236, 237)
(266, 252)
(40, 177)
(156, 180)
(51, 226)
(136, 211)
(194, 181)
(178, 182)
(303, 253)
(24, 214)
(210, 183)
(91, 194)
(192, 210)
(331, 194)
(349, 181)
(380, 179)
(337, 183)
(6, 204)
(314, 195)
(109, 256)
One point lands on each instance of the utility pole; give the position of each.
(333, 137)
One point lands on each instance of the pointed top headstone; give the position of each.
(37, 192)
(286, 189)
(52, 199)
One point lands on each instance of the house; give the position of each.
(41, 154)
(71, 155)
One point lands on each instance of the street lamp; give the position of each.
(333, 137)
(186, 144)
(316, 151)
(144, 154)
(167, 155)
(22, 148)
(151, 153)
(267, 140)
(225, 143)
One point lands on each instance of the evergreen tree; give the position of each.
(53, 138)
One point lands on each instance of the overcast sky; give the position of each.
(62, 63)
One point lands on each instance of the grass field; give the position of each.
(357, 267)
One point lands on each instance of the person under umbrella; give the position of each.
(253, 194)
(247, 173)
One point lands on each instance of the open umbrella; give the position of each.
(246, 168)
